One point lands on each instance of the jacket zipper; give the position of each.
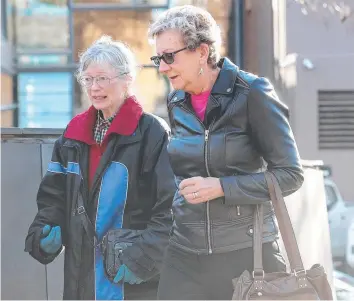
(98, 201)
(238, 210)
(206, 139)
(210, 251)
(208, 224)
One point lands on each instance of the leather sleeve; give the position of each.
(51, 207)
(144, 257)
(273, 138)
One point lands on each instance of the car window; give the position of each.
(331, 197)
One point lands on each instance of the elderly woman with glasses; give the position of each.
(110, 170)
(227, 128)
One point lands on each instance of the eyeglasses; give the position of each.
(103, 81)
(168, 57)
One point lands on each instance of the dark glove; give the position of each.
(50, 242)
(126, 275)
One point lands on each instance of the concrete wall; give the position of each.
(330, 73)
(329, 44)
(318, 33)
(23, 163)
(258, 35)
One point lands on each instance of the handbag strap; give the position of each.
(86, 222)
(284, 222)
(257, 241)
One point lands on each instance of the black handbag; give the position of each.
(299, 284)
(111, 245)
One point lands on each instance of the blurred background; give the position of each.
(305, 47)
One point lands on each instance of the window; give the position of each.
(41, 60)
(45, 99)
(41, 24)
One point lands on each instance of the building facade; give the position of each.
(309, 56)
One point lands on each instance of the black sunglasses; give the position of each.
(168, 57)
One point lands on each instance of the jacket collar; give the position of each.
(125, 122)
(226, 80)
(224, 84)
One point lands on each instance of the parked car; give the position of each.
(343, 286)
(340, 215)
(349, 256)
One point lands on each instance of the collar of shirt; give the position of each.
(101, 127)
(101, 120)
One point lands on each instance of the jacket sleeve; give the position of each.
(145, 256)
(51, 206)
(273, 138)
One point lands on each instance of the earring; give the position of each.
(124, 95)
(201, 71)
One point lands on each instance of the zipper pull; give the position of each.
(206, 135)
(238, 210)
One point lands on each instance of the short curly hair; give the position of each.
(196, 25)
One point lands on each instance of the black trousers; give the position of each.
(143, 291)
(209, 277)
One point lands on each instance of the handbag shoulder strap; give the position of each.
(86, 222)
(257, 241)
(284, 222)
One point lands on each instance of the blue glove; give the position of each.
(50, 242)
(126, 275)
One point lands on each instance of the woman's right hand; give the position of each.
(50, 242)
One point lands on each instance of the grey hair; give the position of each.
(115, 53)
(196, 25)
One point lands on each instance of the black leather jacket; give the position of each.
(245, 130)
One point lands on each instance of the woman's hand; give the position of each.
(198, 189)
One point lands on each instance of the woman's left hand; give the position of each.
(198, 189)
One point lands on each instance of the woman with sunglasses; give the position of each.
(113, 157)
(228, 127)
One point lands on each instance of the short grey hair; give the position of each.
(196, 25)
(115, 53)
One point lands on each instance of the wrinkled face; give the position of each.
(105, 90)
(183, 72)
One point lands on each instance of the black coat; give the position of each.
(246, 130)
(133, 189)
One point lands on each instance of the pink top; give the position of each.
(199, 103)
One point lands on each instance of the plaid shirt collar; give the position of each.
(101, 126)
